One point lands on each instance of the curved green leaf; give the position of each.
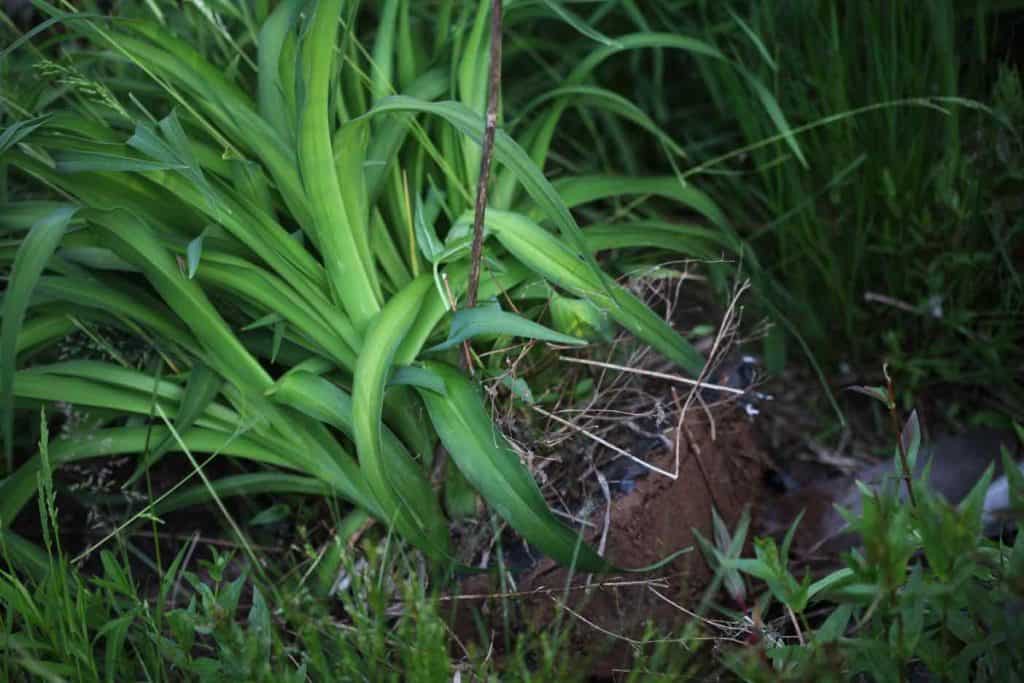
(595, 97)
(510, 154)
(200, 391)
(35, 250)
(323, 400)
(350, 276)
(18, 489)
(44, 329)
(403, 494)
(82, 162)
(244, 485)
(691, 240)
(18, 131)
(134, 241)
(121, 300)
(24, 555)
(482, 320)
(581, 189)
(543, 253)
(272, 36)
(585, 67)
(579, 24)
(20, 216)
(494, 469)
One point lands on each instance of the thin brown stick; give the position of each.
(494, 86)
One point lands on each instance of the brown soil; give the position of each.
(649, 523)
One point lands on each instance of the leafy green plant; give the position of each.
(925, 591)
(275, 202)
(271, 203)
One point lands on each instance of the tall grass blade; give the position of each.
(200, 391)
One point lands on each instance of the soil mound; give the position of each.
(719, 464)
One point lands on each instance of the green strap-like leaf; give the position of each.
(180, 65)
(543, 253)
(16, 132)
(578, 23)
(24, 555)
(484, 457)
(83, 162)
(323, 325)
(120, 299)
(471, 78)
(36, 249)
(389, 135)
(134, 241)
(581, 189)
(326, 402)
(21, 216)
(692, 240)
(85, 386)
(492, 284)
(584, 69)
(600, 98)
(382, 71)
(509, 154)
(44, 329)
(252, 484)
(471, 322)
(18, 489)
(344, 253)
(404, 495)
(271, 41)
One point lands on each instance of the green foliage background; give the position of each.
(258, 214)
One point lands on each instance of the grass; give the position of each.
(255, 219)
(925, 592)
(207, 617)
(873, 183)
(895, 206)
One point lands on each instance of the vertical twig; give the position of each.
(904, 461)
(493, 89)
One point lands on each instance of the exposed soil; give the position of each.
(720, 466)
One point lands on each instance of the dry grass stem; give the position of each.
(658, 375)
(603, 442)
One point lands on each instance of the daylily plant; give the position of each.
(283, 217)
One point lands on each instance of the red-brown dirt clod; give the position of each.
(652, 521)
